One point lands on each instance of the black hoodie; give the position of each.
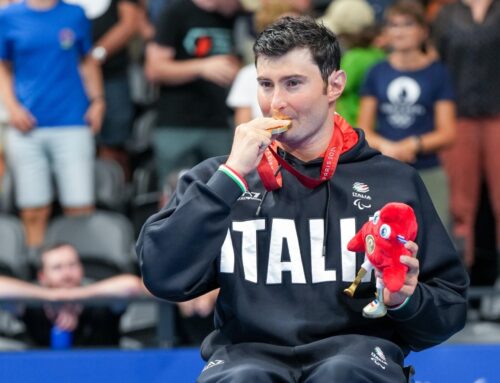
(276, 287)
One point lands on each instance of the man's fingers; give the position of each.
(263, 145)
(407, 290)
(264, 123)
(413, 247)
(412, 263)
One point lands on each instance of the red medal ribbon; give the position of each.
(343, 138)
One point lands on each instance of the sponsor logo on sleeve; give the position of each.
(250, 196)
(377, 356)
(213, 363)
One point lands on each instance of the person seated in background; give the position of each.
(61, 278)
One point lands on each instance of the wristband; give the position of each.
(240, 181)
(400, 306)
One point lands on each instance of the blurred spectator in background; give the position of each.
(155, 8)
(194, 62)
(242, 97)
(434, 6)
(61, 278)
(4, 3)
(146, 24)
(114, 24)
(354, 23)
(348, 17)
(152, 11)
(467, 36)
(302, 7)
(50, 108)
(4, 119)
(407, 108)
(379, 7)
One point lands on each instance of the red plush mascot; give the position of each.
(383, 240)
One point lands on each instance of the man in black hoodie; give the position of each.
(269, 225)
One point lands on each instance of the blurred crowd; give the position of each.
(105, 103)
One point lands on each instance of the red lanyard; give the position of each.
(268, 166)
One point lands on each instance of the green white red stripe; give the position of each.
(240, 181)
(400, 306)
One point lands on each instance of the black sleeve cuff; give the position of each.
(224, 187)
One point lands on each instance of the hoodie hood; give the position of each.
(361, 151)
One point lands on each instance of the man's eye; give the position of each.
(292, 83)
(265, 84)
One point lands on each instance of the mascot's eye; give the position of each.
(385, 231)
(376, 217)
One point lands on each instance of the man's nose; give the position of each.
(278, 101)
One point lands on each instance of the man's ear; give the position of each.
(336, 85)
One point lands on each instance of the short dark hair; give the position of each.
(47, 248)
(289, 33)
(53, 246)
(409, 8)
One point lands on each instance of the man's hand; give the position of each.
(221, 69)
(411, 281)
(405, 150)
(21, 118)
(250, 141)
(202, 306)
(66, 316)
(95, 114)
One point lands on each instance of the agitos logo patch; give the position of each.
(362, 199)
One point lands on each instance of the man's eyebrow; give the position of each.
(285, 78)
(292, 76)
